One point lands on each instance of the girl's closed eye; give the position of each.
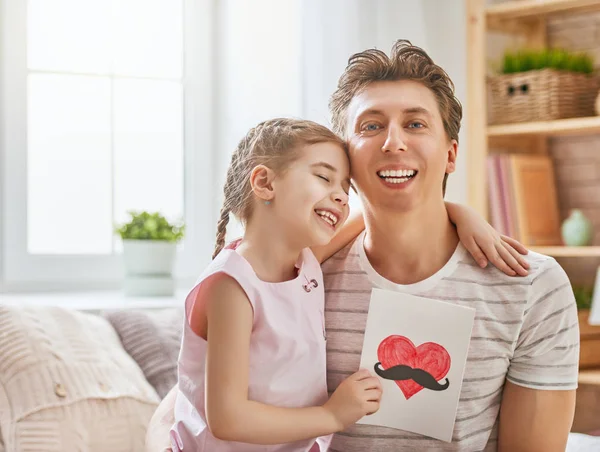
(325, 178)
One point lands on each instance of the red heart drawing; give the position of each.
(431, 357)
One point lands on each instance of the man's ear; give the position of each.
(261, 181)
(452, 154)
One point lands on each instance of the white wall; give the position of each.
(447, 44)
(258, 72)
(284, 58)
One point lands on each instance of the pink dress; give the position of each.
(287, 354)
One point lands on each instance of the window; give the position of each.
(99, 96)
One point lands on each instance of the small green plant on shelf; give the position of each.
(528, 60)
(583, 297)
(150, 226)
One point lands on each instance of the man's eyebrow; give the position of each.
(376, 111)
(325, 165)
(417, 110)
(369, 111)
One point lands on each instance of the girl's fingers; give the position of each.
(499, 258)
(518, 246)
(473, 248)
(370, 383)
(518, 264)
(373, 395)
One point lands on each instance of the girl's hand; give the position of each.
(486, 244)
(357, 396)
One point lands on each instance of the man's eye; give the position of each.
(371, 127)
(323, 177)
(416, 125)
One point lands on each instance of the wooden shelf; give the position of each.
(568, 251)
(589, 377)
(560, 127)
(527, 20)
(523, 10)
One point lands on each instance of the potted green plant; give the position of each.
(543, 85)
(149, 249)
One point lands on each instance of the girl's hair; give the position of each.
(275, 144)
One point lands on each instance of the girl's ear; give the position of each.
(261, 181)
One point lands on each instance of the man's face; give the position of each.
(399, 150)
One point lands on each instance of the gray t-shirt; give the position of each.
(525, 331)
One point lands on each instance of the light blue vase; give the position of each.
(577, 230)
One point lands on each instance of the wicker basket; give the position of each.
(541, 95)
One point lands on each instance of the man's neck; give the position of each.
(409, 247)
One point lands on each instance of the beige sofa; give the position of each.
(72, 381)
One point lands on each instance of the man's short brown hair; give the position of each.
(406, 62)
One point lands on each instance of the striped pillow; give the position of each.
(152, 339)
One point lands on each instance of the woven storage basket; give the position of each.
(541, 95)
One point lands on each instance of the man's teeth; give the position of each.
(397, 173)
(328, 217)
(396, 176)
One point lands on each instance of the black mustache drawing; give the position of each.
(420, 376)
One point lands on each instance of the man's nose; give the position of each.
(395, 140)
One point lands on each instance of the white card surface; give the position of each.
(405, 332)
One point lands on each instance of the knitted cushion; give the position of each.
(152, 339)
(67, 384)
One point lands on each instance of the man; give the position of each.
(399, 113)
(401, 119)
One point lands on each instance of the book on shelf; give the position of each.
(522, 198)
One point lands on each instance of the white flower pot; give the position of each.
(148, 267)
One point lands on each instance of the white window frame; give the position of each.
(21, 271)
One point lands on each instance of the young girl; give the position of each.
(251, 371)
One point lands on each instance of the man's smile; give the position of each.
(397, 178)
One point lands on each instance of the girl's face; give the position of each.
(311, 196)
